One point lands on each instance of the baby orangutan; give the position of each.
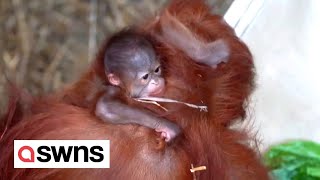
(132, 67)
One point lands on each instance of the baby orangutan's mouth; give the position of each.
(157, 92)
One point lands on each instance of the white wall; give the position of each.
(284, 37)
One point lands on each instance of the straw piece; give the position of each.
(152, 102)
(200, 168)
(157, 99)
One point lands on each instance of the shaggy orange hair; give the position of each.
(138, 152)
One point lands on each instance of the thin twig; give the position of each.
(152, 102)
(117, 14)
(4, 72)
(92, 30)
(200, 168)
(193, 173)
(193, 170)
(25, 40)
(48, 73)
(157, 99)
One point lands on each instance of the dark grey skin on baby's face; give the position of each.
(131, 64)
(132, 67)
(141, 74)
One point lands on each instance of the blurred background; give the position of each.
(45, 44)
(283, 36)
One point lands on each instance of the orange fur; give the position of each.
(137, 152)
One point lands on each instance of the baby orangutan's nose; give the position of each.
(155, 82)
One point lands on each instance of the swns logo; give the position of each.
(61, 153)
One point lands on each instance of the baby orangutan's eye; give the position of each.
(157, 70)
(145, 77)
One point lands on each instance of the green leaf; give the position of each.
(294, 160)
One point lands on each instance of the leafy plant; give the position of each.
(294, 160)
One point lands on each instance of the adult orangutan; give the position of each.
(182, 32)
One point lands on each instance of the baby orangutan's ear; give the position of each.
(114, 79)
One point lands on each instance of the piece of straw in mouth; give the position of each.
(151, 102)
(157, 99)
